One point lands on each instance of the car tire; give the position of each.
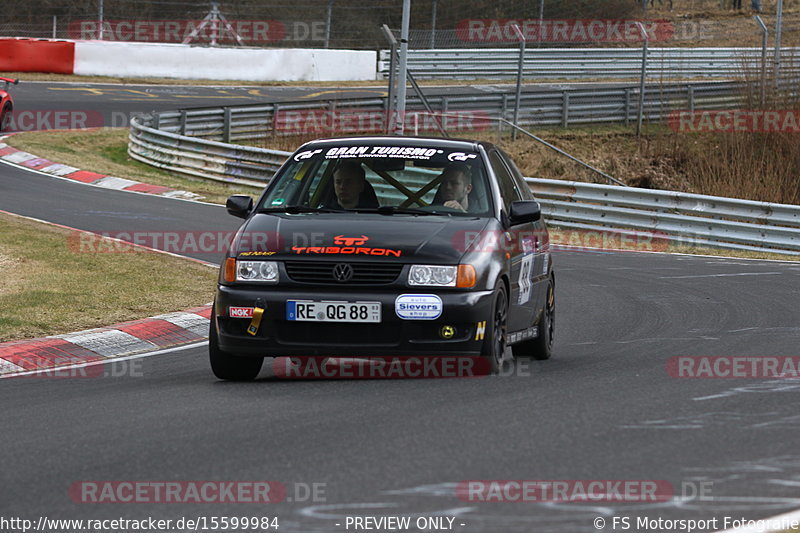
(230, 367)
(6, 110)
(494, 345)
(541, 348)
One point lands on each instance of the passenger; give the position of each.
(456, 184)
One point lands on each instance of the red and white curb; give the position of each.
(128, 338)
(24, 159)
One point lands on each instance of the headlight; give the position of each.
(257, 271)
(432, 275)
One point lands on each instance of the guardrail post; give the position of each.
(275, 113)
(764, 43)
(690, 98)
(226, 125)
(503, 112)
(328, 16)
(445, 110)
(156, 121)
(627, 105)
(183, 122)
(391, 103)
(565, 110)
(387, 107)
(643, 77)
(520, 66)
(778, 30)
(332, 115)
(433, 26)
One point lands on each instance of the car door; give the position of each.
(519, 245)
(541, 244)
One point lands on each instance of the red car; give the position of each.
(6, 102)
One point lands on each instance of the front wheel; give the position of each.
(494, 346)
(230, 367)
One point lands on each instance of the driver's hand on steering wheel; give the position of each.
(453, 204)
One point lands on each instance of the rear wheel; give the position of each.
(494, 345)
(541, 348)
(231, 367)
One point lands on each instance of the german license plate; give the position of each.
(313, 311)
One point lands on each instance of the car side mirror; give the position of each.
(239, 205)
(524, 211)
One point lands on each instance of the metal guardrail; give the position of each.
(203, 158)
(586, 63)
(565, 107)
(692, 219)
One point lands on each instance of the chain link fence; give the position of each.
(355, 24)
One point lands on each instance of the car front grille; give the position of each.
(322, 273)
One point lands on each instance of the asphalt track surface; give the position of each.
(604, 408)
(113, 105)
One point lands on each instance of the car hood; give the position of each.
(397, 238)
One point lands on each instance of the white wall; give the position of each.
(103, 58)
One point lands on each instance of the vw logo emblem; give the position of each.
(342, 272)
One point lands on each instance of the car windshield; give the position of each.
(388, 180)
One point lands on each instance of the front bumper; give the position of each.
(464, 311)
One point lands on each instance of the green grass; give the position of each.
(51, 286)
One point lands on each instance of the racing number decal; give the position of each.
(525, 272)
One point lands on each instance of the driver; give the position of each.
(349, 184)
(456, 184)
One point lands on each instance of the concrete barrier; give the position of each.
(101, 58)
(36, 55)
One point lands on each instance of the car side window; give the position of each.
(519, 180)
(508, 189)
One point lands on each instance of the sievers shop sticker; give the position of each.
(240, 312)
(363, 152)
(418, 306)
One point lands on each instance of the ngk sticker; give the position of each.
(240, 312)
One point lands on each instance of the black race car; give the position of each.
(386, 246)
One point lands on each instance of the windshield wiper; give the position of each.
(396, 210)
(295, 209)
